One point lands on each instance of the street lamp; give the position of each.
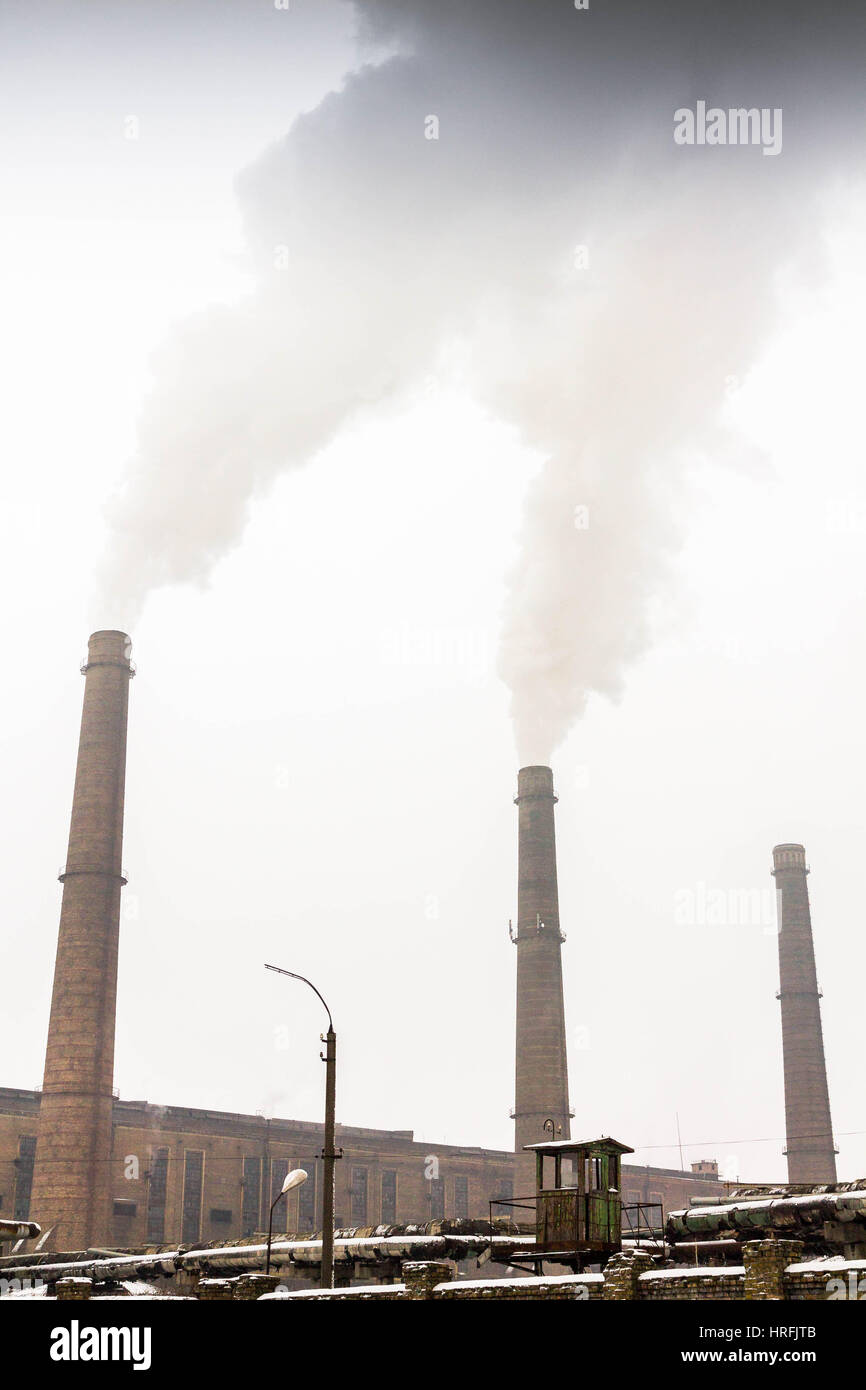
(328, 1154)
(293, 1179)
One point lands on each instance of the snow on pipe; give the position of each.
(19, 1230)
(283, 1252)
(806, 1209)
(116, 1267)
(309, 1252)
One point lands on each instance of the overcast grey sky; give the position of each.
(311, 403)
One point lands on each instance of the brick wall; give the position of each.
(573, 1288)
(627, 1277)
(826, 1280)
(691, 1284)
(435, 1280)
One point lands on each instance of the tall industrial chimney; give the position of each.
(810, 1148)
(541, 1089)
(72, 1174)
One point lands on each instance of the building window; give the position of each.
(307, 1199)
(193, 1175)
(23, 1177)
(437, 1199)
(123, 1207)
(359, 1196)
(389, 1196)
(658, 1197)
(251, 1196)
(220, 1217)
(156, 1190)
(461, 1196)
(279, 1169)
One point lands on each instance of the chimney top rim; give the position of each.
(535, 783)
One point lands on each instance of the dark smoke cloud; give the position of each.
(555, 130)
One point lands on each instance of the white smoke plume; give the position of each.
(554, 132)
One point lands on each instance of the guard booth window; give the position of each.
(594, 1174)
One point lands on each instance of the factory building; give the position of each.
(184, 1176)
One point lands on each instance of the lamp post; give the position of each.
(293, 1179)
(328, 1154)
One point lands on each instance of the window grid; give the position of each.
(193, 1175)
(359, 1197)
(279, 1169)
(24, 1177)
(251, 1195)
(461, 1196)
(389, 1197)
(156, 1193)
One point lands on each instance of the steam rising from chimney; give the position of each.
(507, 178)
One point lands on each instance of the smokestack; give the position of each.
(72, 1173)
(810, 1148)
(541, 1087)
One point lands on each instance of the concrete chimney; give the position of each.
(72, 1179)
(541, 1088)
(810, 1148)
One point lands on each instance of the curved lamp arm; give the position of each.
(292, 976)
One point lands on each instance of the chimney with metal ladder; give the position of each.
(72, 1179)
(810, 1149)
(541, 1080)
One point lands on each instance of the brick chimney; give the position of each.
(72, 1180)
(810, 1148)
(541, 1087)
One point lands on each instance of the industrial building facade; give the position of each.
(184, 1176)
